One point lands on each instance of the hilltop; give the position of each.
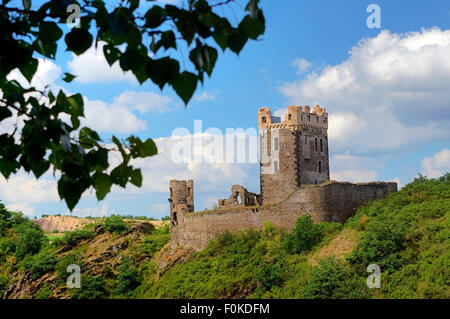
(407, 234)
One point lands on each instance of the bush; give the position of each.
(153, 243)
(269, 276)
(44, 292)
(31, 239)
(40, 264)
(304, 236)
(73, 238)
(4, 283)
(92, 287)
(129, 280)
(63, 263)
(381, 243)
(333, 280)
(115, 224)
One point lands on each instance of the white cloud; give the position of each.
(158, 170)
(46, 73)
(144, 101)
(356, 169)
(94, 211)
(205, 96)
(92, 67)
(437, 165)
(302, 65)
(21, 191)
(393, 91)
(110, 118)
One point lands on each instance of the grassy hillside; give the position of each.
(407, 235)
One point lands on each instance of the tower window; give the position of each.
(276, 143)
(309, 118)
(275, 166)
(263, 119)
(289, 117)
(315, 144)
(324, 119)
(319, 166)
(321, 145)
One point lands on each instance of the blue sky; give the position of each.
(386, 91)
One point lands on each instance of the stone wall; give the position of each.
(330, 201)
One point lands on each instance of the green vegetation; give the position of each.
(304, 236)
(115, 224)
(406, 234)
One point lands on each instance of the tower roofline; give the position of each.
(301, 115)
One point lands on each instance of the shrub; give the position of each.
(269, 276)
(4, 283)
(73, 238)
(115, 224)
(153, 243)
(40, 263)
(303, 237)
(7, 247)
(331, 280)
(44, 292)
(63, 263)
(129, 280)
(381, 243)
(92, 287)
(30, 241)
(165, 218)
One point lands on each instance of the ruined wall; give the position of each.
(331, 201)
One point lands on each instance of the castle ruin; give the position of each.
(294, 180)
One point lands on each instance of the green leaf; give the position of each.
(120, 175)
(78, 40)
(136, 177)
(49, 32)
(68, 77)
(253, 27)
(102, 184)
(237, 40)
(162, 71)
(155, 17)
(167, 41)
(131, 60)
(4, 113)
(70, 191)
(111, 53)
(185, 85)
(142, 149)
(29, 69)
(87, 137)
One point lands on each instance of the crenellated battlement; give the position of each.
(295, 118)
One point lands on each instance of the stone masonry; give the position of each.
(294, 178)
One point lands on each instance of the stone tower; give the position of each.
(293, 152)
(181, 198)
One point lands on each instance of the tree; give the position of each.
(304, 236)
(78, 154)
